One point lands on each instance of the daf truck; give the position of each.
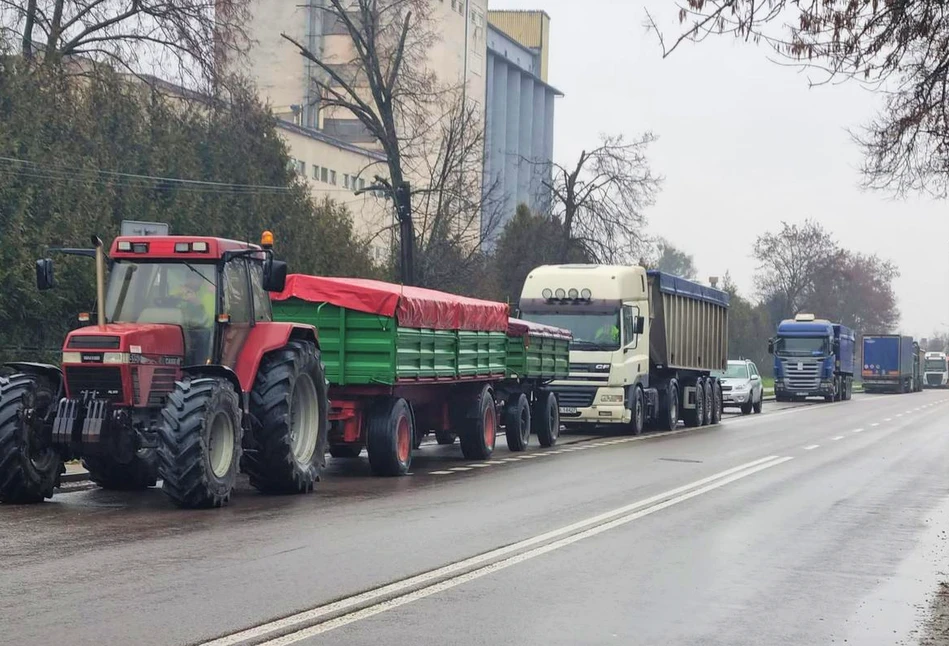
(812, 358)
(936, 370)
(644, 347)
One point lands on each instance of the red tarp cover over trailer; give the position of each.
(412, 306)
(520, 327)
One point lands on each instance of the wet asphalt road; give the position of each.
(784, 528)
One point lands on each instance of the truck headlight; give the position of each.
(612, 399)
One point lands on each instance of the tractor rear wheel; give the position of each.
(28, 471)
(140, 473)
(290, 402)
(517, 423)
(200, 443)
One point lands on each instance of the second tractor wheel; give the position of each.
(200, 442)
(139, 473)
(390, 438)
(29, 471)
(517, 423)
(479, 434)
(545, 419)
(290, 401)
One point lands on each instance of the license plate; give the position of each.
(802, 394)
(568, 410)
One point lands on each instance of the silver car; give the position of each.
(741, 386)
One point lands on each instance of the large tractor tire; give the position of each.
(517, 423)
(695, 417)
(138, 474)
(716, 388)
(29, 472)
(479, 427)
(545, 419)
(200, 443)
(669, 408)
(290, 402)
(390, 437)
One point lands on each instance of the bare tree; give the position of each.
(790, 262)
(385, 85)
(898, 47)
(601, 198)
(670, 259)
(187, 39)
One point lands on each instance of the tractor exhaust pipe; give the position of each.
(100, 281)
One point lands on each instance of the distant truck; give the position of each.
(812, 358)
(644, 344)
(891, 363)
(936, 370)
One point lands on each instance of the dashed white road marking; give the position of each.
(888, 419)
(857, 430)
(812, 447)
(440, 473)
(460, 469)
(839, 437)
(875, 424)
(479, 465)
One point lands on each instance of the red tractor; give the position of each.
(184, 378)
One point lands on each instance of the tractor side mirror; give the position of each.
(640, 325)
(275, 275)
(44, 274)
(770, 346)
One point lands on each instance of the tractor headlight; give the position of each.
(115, 357)
(72, 357)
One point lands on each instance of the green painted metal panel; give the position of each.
(537, 357)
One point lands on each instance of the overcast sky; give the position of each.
(743, 144)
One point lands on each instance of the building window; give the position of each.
(324, 174)
(316, 172)
(362, 184)
(298, 165)
(346, 180)
(333, 177)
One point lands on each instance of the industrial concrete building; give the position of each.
(519, 111)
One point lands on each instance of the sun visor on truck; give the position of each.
(411, 306)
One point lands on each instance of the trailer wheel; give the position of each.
(545, 418)
(345, 450)
(28, 471)
(290, 401)
(716, 389)
(517, 423)
(200, 443)
(445, 438)
(479, 434)
(138, 474)
(670, 408)
(390, 438)
(637, 420)
(695, 417)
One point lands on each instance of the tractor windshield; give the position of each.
(175, 293)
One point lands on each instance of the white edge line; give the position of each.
(441, 586)
(393, 588)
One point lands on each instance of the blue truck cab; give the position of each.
(812, 358)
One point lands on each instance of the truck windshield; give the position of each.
(936, 365)
(175, 293)
(591, 331)
(801, 346)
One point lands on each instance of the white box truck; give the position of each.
(644, 344)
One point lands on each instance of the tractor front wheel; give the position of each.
(200, 443)
(29, 471)
(290, 402)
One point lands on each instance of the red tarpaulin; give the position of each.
(412, 306)
(520, 327)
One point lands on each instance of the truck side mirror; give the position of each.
(275, 275)
(836, 345)
(770, 346)
(44, 274)
(640, 325)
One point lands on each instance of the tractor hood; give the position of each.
(118, 343)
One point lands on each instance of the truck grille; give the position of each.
(934, 380)
(575, 396)
(801, 375)
(105, 382)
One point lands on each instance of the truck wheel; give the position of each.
(707, 413)
(517, 423)
(670, 408)
(445, 438)
(716, 401)
(479, 434)
(29, 471)
(390, 438)
(200, 443)
(290, 402)
(545, 419)
(694, 417)
(638, 412)
(138, 474)
(345, 450)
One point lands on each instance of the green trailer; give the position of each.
(403, 362)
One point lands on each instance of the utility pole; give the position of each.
(402, 197)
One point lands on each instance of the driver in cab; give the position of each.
(197, 302)
(608, 335)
